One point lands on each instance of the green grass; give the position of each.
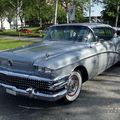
(6, 44)
(35, 32)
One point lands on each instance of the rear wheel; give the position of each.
(74, 86)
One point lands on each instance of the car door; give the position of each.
(87, 38)
(104, 47)
(116, 42)
(111, 47)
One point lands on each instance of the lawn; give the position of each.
(35, 32)
(6, 44)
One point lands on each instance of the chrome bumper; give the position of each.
(31, 93)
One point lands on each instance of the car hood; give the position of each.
(41, 53)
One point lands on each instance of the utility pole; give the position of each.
(117, 16)
(56, 11)
(89, 11)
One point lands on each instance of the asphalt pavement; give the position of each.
(99, 100)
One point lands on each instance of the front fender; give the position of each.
(59, 61)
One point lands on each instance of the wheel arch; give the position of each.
(83, 71)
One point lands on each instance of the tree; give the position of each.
(112, 11)
(63, 10)
(65, 4)
(10, 15)
(2, 11)
(40, 10)
(79, 6)
(17, 8)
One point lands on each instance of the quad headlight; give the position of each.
(44, 69)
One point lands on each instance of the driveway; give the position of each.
(99, 100)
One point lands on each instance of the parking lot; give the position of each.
(99, 100)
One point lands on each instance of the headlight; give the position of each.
(44, 69)
(40, 69)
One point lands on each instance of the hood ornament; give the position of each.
(47, 55)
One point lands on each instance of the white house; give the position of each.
(6, 24)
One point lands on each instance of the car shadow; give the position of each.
(97, 96)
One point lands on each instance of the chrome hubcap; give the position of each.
(73, 85)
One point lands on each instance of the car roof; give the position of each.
(90, 25)
(117, 28)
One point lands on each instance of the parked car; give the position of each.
(55, 68)
(24, 30)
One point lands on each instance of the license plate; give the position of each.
(10, 91)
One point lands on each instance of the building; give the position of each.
(95, 13)
(6, 24)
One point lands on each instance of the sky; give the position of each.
(95, 10)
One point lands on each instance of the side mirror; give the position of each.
(99, 39)
(85, 39)
(96, 37)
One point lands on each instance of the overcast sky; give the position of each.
(95, 10)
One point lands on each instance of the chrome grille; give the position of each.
(24, 82)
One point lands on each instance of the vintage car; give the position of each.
(56, 67)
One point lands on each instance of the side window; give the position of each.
(99, 32)
(109, 33)
(105, 33)
(85, 35)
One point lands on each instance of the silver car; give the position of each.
(56, 67)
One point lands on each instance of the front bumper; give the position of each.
(33, 94)
(17, 84)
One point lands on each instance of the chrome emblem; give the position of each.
(47, 55)
(10, 63)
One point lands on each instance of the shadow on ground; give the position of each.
(99, 99)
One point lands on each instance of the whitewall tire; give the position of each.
(74, 86)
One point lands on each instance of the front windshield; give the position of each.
(69, 33)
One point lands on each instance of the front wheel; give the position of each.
(74, 86)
